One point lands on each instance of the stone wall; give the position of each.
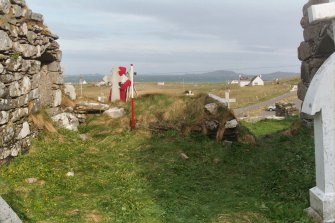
(317, 46)
(30, 74)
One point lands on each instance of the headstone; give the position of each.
(320, 102)
(115, 84)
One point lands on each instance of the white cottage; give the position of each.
(257, 81)
(244, 81)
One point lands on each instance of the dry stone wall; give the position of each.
(30, 74)
(317, 46)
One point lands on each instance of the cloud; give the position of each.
(168, 34)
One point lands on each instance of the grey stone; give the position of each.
(5, 104)
(27, 50)
(316, 62)
(304, 51)
(7, 215)
(54, 67)
(231, 124)
(115, 113)
(90, 107)
(4, 117)
(24, 29)
(34, 94)
(37, 17)
(31, 36)
(302, 90)
(1, 68)
(26, 85)
(17, 11)
(212, 125)
(35, 81)
(15, 149)
(14, 89)
(19, 114)
(7, 134)
(83, 137)
(25, 131)
(4, 6)
(70, 91)
(13, 64)
(2, 90)
(67, 121)
(5, 42)
(312, 33)
(31, 180)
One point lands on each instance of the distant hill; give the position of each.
(210, 77)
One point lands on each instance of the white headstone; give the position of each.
(320, 102)
(115, 84)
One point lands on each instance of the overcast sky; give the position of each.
(168, 36)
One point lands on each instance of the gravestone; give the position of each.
(320, 103)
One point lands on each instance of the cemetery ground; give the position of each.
(245, 96)
(143, 176)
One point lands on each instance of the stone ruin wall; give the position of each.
(30, 74)
(317, 46)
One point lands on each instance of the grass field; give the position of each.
(137, 176)
(245, 96)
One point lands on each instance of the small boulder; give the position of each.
(115, 113)
(231, 124)
(66, 121)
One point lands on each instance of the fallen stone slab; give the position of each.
(90, 107)
(115, 113)
(7, 215)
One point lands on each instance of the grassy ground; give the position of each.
(245, 96)
(124, 176)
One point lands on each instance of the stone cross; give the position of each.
(320, 102)
(228, 99)
(225, 100)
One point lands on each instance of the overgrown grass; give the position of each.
(124, 176)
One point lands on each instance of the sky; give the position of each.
(175, 36)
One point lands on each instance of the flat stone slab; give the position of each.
(7, 215)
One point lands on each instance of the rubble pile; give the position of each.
(285, 110)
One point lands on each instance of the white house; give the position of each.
(244, 81)
(256, 81)
(234, 82)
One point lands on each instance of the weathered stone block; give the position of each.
(26, 85)
(4, 6)
(54, 67)
(25, 131)
(17, 11)
(4, 117)
(19, 114)
(302, 90)
(5, 42)
(14, 89)
(3, 90)
(304, 51)
(37, 17)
